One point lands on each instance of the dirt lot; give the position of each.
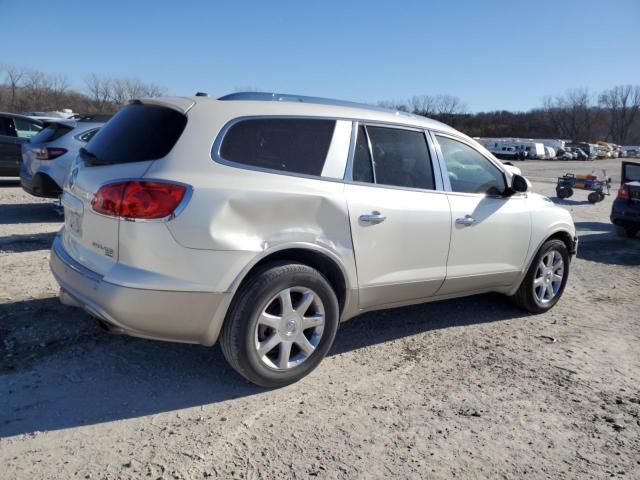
(469, 388)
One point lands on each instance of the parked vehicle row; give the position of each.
(265, 220)
(521, 149)
(47, 158)
(39, 148)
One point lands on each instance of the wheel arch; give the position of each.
(325, 261)
(321, 261)
(561, 234)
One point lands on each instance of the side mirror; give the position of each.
(520, 184)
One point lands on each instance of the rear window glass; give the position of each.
(287, 144)
(401, 158)
(137, 133)
(52, 132)
(631, 172)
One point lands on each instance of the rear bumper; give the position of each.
(624, 213)
(155, 314)
(39, 185)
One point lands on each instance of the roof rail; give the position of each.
(285, 97)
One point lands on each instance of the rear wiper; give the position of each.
(91, 158)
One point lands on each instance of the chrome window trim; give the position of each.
(217, 145)
(347, 178)
(178, 210)
(445, 171)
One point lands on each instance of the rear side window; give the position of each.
(401, 158)
(88, 135)
(292, 145)
(51, 132)
(362, 168)
(137, 133)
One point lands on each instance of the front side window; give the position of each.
(292, 145)
(401, 158)
(469, 171)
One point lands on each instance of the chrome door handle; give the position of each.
(467, 220)
(372, 218)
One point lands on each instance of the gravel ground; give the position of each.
(469, 388)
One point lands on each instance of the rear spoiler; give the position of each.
(181, 104)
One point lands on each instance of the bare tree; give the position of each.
(424, 105)
(449, 105)
(59, 85)
(37, 86)
(14, 76)
(393, 105)
(110, 93)
(623, 104)
(571, 114)
(100, 91)
(441, 106)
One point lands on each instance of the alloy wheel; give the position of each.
(289, 328)
(548, 278)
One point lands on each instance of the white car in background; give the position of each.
(47, 158)
(265, 220)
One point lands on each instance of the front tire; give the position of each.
(562, 192)
(544, 283)
(280, 325)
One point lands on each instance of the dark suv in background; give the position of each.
(15, 130)
(625, 213)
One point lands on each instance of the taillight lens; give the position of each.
(138, 199)
(49, 153)
(623, 192)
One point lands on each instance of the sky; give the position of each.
(494, 55)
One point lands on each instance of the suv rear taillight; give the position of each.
(623, 192)
(138, 199)
(49, 153)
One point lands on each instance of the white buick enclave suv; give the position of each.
(265, 220)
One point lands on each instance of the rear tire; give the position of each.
(626, 231)
(593, 197)
(541, 289)
(262, 336)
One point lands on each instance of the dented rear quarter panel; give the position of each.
(251, 212)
